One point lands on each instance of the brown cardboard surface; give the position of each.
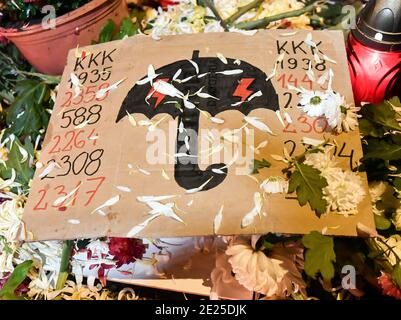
(125, 147)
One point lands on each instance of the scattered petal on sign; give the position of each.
(102, 92)
(311, 141)
(230, 72)
(287, 117)
(250, 216)
(194, 190)
(177, 74)
(143, 171)
(74, 221)
(216, 120)
(310, 73)
(49, 168)
(101, 212)
(188, 104)
(190, 203)
(131, 119)
(205, 95)
(217, 220)
(258, 124)
(237, 62)
(278, 114)
(317, 58)
(166, 88)
(164, 175)
(221, 57)
(145, 199)
(111, 202)
(254, 95)
(138, 228)
(123, 188)
(329, 59)
(195, 66)
(186, 141)
(82, 125)
(62, 199)
(218, 171)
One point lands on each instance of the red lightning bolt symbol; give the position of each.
(242, 89)
(154, 94)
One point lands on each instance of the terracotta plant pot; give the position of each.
(47, 49)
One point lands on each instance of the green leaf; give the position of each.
(106, 34)
(319, 255)
(260, 164)
(396, 275)
(24, 172)
(127, 28)
(382, 223)
(378, 119)
(388, 148)
(309, 184)
(17, 277)
(27, 114)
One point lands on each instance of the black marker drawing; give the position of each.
(233, 92)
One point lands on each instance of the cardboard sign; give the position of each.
(149, 138)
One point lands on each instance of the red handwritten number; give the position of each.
(67, 103)
(93, 192)
(58, 139)
(304, 120)
(86, 95)
(307, 80)
(320, 125)
(69, 145)
(37, 207)
(287, 128)
(60, 193)
(92, 136)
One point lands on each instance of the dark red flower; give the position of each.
(126, 250)
(389, 288)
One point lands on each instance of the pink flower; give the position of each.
(389, 288)
(126, 250)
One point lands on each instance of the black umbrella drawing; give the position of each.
(230, 89)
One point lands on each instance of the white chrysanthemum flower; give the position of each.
(46, 254)
(333, 106)
(278, 274)
(313, 103)
(344, 191)
(350, 118)
(320, 160)
(11, 226)
(42, 285)
(275, 184)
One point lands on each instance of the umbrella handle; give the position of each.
(186, 170)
